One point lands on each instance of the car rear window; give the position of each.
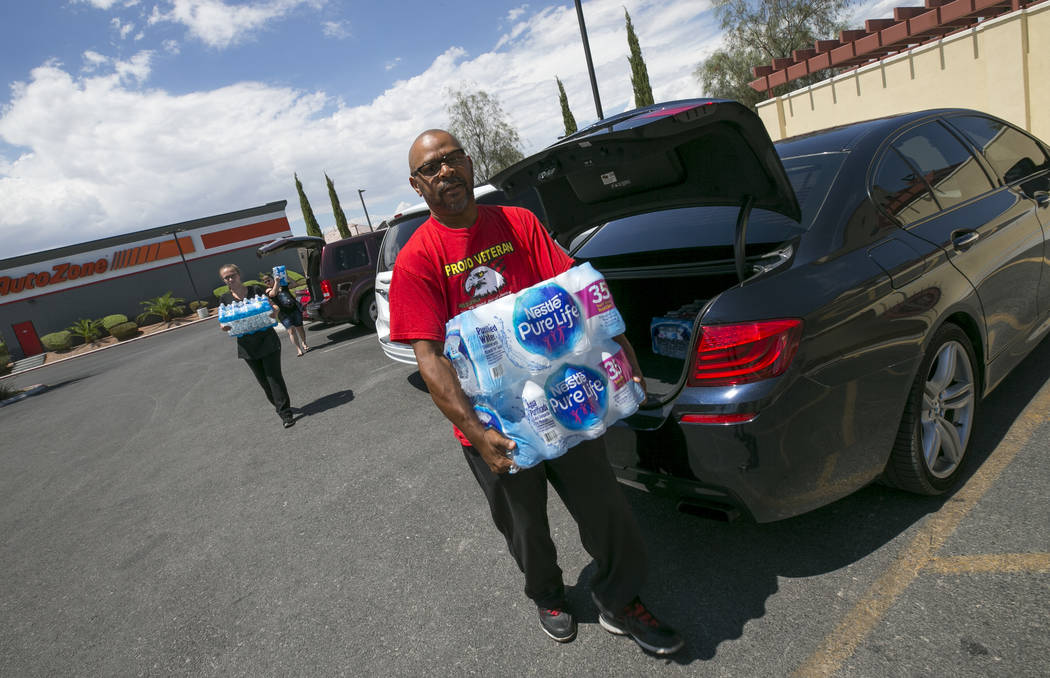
(1012, 154)
(397, 234)
(688, 227)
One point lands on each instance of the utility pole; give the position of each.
(590, 64)
(175, 236)
(368, 218)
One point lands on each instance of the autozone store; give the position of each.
(48, 291)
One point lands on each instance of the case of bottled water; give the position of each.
(541, 365)
(280, 274)
(247, 316)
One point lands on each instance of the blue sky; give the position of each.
(120, 115)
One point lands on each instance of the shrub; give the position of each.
(219, 291)
(111, 320)
(5, 358)
(57, 341)
(87, 330)
(164, 307)
(295, 278)
(194, 305)
(124, 330)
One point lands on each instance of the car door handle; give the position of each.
(1042, 198)
(964, 240)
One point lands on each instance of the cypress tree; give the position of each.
(566, 113)
(337, 210)
(643, 93)
(308, 214)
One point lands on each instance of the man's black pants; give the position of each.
(608, 530)
(267, 371)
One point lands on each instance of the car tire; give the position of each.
(367, 311)
(934, 435)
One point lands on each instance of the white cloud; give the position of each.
(392, 64)
(102, 155)
(122, 28)
(98, 4)
(171, 46)
(93, 60)
(220, 25)
(335, 29)
(515, 13)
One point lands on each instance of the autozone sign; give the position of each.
(54, 275)
(59, 273)
(83, 268)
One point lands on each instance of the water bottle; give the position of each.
(589, 286)
(456, 352)
(536, 431)
(627, 394)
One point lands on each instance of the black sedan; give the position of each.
(814, 315)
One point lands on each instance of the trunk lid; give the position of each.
(309, 256)
(683, 153)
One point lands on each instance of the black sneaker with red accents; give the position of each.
(636, 621)
(558, 623)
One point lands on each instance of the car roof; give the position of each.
(422, 207)
(850, 136)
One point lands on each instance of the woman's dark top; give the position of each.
(257, 344)
(285, 302)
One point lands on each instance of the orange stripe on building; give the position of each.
(247, 232)
(167, 249)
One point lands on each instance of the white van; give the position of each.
(399, 229)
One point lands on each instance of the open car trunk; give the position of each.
(661, 295)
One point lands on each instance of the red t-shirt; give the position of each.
(442, 271)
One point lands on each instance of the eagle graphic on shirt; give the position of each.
(483, 281)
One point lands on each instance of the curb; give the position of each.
(103, 348)
(31, 391)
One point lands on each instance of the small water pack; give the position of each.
(280, 274)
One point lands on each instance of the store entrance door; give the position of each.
(27, 338)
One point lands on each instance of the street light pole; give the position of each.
(590, 64)
(175, 236)
(359, 192)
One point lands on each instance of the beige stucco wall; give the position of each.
(1001, 66)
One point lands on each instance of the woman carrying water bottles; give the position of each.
(288, 312)
(260, 350)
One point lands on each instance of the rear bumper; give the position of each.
(812, 446)
(397, 351)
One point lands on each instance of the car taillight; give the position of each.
(744, 352)
(326, 290)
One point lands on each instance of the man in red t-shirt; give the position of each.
(466, 255)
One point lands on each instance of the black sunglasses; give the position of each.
(430, 169)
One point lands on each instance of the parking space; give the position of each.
(159, 521)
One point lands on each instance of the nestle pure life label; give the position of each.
(577, 397)
(547, 321)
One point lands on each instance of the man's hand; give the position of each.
(495, 449)
(447, 394)
(226, 328)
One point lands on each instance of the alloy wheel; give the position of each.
(947, 410)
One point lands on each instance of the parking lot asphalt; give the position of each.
(157, 520)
